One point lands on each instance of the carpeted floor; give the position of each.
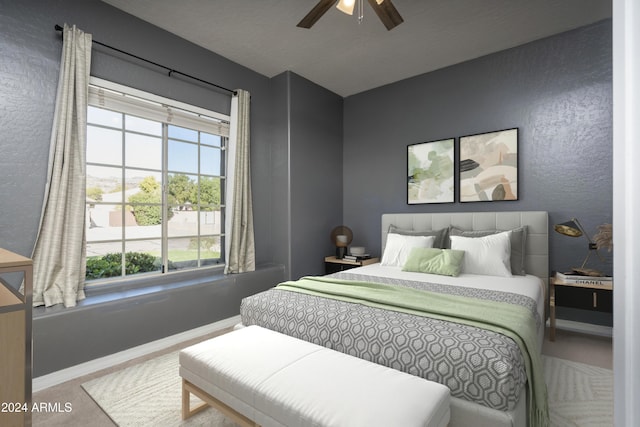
(586, 385)
(149, 394)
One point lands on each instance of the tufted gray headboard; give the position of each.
(537, 243)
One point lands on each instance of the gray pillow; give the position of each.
(518, 244)
(440, 236)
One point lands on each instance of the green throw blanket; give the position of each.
(512, 320)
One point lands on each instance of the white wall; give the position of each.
(626, 210)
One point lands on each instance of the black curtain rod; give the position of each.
(170, 70)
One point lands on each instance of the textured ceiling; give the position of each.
(348, 57)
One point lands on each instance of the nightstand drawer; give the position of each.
(584, 298)
(331, 267)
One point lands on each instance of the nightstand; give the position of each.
(333, 264)
(584, 296)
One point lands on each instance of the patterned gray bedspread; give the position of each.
(477, 365)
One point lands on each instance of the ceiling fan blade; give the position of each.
(316, 13)
(387, 13)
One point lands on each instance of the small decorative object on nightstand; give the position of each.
(583, 292)
(603, 239)
(341, 236)
(333, 264)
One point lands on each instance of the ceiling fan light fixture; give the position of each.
(386, 11)
(347, 6)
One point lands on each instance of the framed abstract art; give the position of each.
(489, 166)
(430, 172)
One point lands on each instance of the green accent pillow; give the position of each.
(446, 262)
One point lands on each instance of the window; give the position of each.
(155, 184)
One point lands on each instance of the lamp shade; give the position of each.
(569, 228)
(341, 236)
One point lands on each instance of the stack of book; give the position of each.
(584, 280)
(356, 258)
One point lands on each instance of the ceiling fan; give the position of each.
(385, 10)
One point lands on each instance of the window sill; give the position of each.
(140, 286)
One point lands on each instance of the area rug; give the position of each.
(579, 395)
(149, 394)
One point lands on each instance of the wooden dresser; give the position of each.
(15, 336)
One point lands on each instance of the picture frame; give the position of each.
(488, 166)
(430, 172)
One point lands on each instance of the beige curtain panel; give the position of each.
(239, 237)
(59, 253)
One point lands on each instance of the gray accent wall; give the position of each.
(308, 173)
(557, 91)
(316, 174)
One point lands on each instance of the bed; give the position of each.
(487, 370)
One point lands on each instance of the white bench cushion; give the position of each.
(277, 380)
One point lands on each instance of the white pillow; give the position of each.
(399, 247)
(488, 255)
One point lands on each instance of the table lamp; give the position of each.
(573, 228)
(341, 237)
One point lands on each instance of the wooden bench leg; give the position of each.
(187, 412)
(228, 411)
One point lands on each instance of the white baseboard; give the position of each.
(67, 374)
(584, 328)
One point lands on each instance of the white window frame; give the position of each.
(127, 100)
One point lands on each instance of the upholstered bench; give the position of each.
(260, 377)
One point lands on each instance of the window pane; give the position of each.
(101, 181)
(210, 139)
(143, 151)
(143, 125)
(148, 220)
(144, 198)
(100, 249)
(210, 247)
(183, 195)
(183, 253)
(104, 222)
(177, 132)
(183, 190)
(209, 193)
(151, 246)
(104, 117)
(104, 260)
(210, 222)
(142, 181)
(209, 160)
(183, 222)
(104, 146)
(143, 256)
(183, 157)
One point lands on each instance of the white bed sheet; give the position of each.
(529, 285)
